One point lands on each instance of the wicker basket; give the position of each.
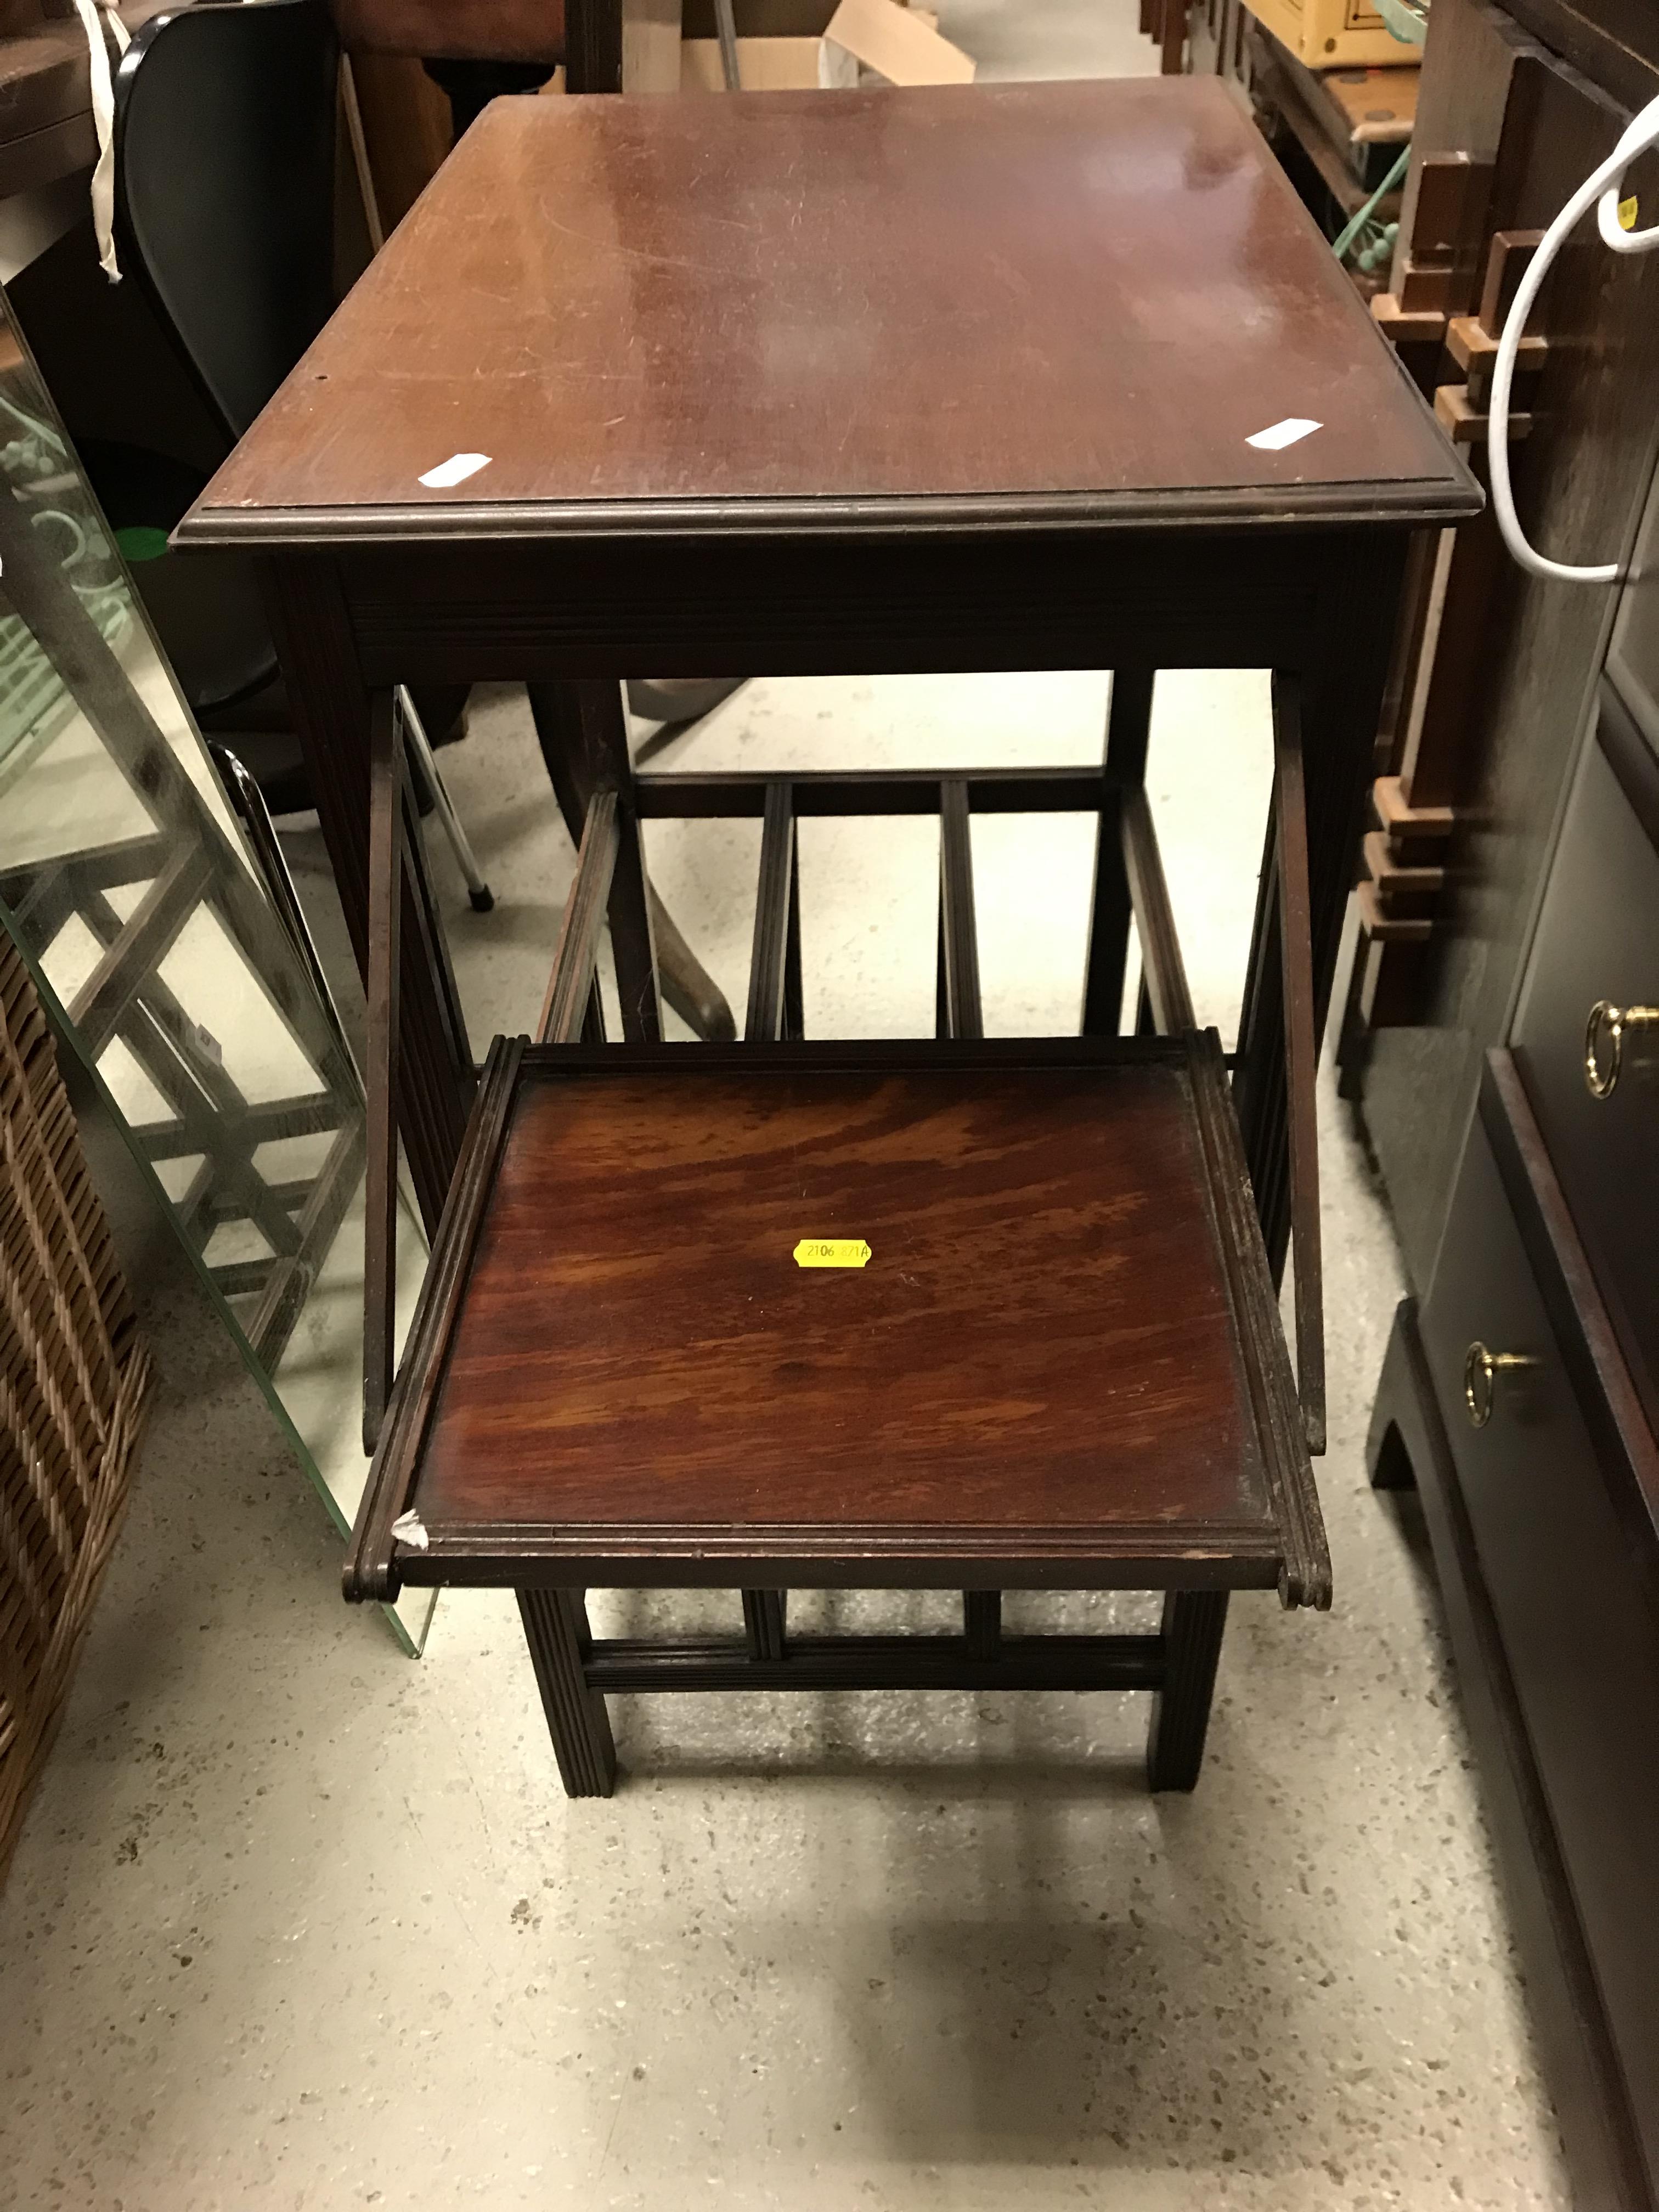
(73, 1379)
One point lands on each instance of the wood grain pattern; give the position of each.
(1042, 1340)
(1066, 288)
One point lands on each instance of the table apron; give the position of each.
(504, 612)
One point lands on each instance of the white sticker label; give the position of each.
(456, 470)
(1278, 435)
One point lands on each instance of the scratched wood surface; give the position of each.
(1041, 1336)
(1003, 291)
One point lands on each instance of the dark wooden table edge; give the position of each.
(1280, 1438)
(1278, 1550)
(857, 1056)
(1413, 504)
(369, 1571)
(523, 1555)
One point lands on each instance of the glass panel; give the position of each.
(126, 880)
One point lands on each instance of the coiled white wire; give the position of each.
(1603, 189)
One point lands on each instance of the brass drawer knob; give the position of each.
(1481, 1368)
(1609, 1022)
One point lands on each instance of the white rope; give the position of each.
(95, 15)
(1603, 190)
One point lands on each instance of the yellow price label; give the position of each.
(831, 1252)
(1628, 211)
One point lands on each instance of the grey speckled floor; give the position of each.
(298, 1923)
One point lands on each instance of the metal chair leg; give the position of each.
(477, 890)
(725, 25)
(248, 802)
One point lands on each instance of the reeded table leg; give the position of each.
(765, 1618)
(1129, 729)
(556, 1629)
(1339, 695)
(1192, 1623)
(312, 628)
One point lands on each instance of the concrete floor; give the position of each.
(299, 1923)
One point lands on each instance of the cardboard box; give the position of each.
(1332, 33)
(800, 44)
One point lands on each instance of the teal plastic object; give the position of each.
(1408, 20)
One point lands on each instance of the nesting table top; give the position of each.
(1079, 299)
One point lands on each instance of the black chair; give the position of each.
(224, 122)
(224, 181)
(224, 212)
(224, 172)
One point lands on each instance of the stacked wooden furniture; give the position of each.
(1497, 668)
(1508, 1074)
(1403, 887)
(1059, 1365)
(73, 1381)
(1338, 125)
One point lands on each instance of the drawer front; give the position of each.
(1579, 1631)
(1598, 939)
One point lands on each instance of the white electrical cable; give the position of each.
(1604, 187)
(94, 15)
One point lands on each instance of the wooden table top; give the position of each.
(1070, 301)
(1040, 1353)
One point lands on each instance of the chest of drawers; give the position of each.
(1523, 1396)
